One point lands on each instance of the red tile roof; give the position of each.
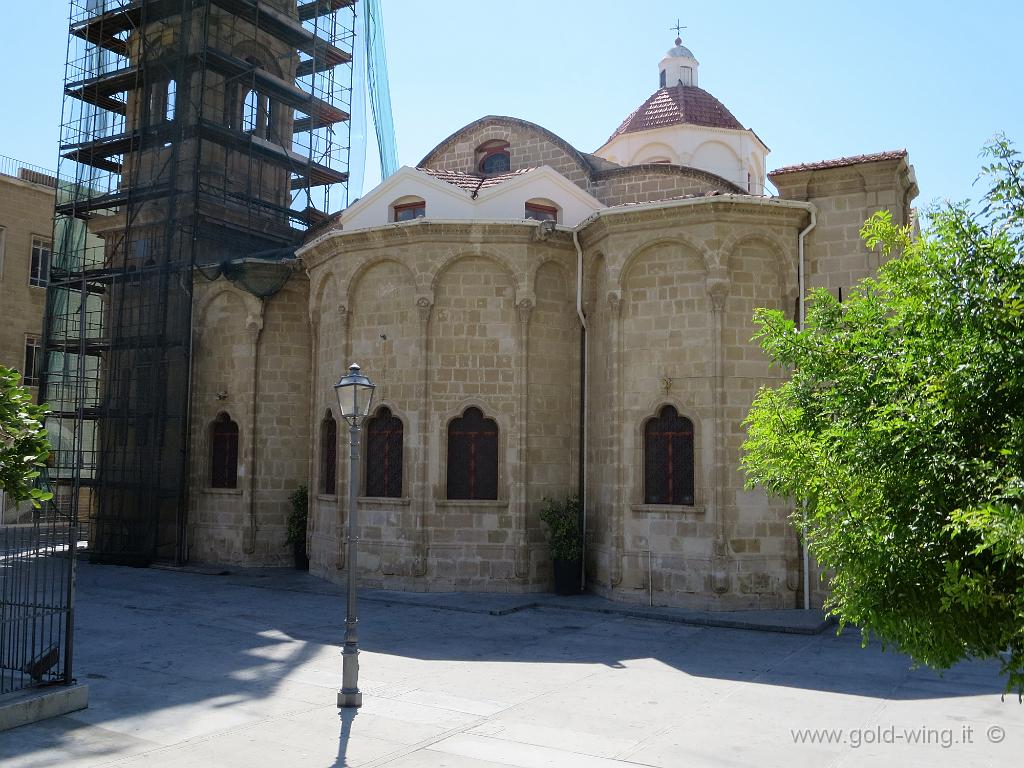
(470, 181)
(678, 105)
(896, 154)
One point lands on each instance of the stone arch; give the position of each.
(785, 265)
(518, 279)
(716, 156)
(494, 127)
(362, 269)
(249, 303)
(702, 251)
(324, 284)
(653, 152)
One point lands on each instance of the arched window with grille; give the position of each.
(668, 459)
(473, 456)
(223, 452)
(328, 455)
(384, 433)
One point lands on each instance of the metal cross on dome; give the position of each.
(678, 28)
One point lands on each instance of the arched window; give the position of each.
(409, 208)
(384, 455)
(493, 157)
(328, 455)
(541, 209)
(223, 452)
(668, 459)
(250, 112)
(473, 457)
(171, 102)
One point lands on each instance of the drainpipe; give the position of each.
(801, 317)
(583, 389)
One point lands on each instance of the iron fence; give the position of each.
(37, 576)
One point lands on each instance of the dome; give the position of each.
(679, 50)
(678, 105)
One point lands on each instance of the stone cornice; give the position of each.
(428, 231)
(709, 210)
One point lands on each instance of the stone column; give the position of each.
(421, 459)
(617, 397)
(521, 568)
(717, 285)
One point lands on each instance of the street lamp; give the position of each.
(355, 393)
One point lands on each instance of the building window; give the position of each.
(384, 434)
(250, 112)
(328, 455)
(473, 457)
(493, 157)
(39, 267)
(541, 212)
(410, 211)
(223, 452)
(668, 459)
(687, 73)
(33, 361)
(171, 101)
(664, 77)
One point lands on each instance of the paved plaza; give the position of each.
(191, 669)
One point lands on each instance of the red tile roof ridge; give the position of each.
(839, 162)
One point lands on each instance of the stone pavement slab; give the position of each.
(195, 669)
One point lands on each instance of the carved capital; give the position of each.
(524, 307)
(718, 290)
(424, 306)
(615, 302)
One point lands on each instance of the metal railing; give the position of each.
(37, 567)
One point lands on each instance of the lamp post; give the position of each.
(355, 393)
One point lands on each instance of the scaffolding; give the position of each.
(195, 134)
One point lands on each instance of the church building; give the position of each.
(540, 322)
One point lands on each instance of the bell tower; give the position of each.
(197, 133)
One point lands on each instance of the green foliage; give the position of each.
(902, 430)
(23, 444)
(563, 521)
(298, 518)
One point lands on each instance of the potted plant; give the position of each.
(298, 519)
(563, 521)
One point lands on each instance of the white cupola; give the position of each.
(679, 67)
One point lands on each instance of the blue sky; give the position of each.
(814, 81)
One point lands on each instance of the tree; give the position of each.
(900, 434)
(23, 445)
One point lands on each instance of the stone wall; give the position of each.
(442, 325)
(251, 361)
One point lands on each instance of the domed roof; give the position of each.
(678, 105)
(680, 50)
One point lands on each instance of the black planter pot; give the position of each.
(301, 556)
(567, 577)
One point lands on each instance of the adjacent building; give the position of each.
(26, 224)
